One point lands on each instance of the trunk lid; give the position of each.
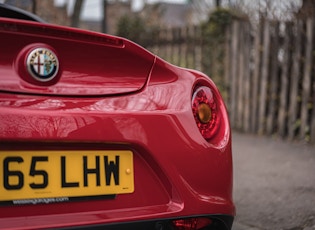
(44, 59)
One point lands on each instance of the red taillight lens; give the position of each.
(205, 111)
(191, 223)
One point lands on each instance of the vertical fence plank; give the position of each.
(312, 120)
(198, 46)
(173, 45)
(187, 47)
(284, 86)
(295, 75)
(168, 47)
(247, 80)
(306, 93)
(240, 77)
(256, 78)
(273, 83)
(234, 70)
(264, 79)
(179, 40)
(163, 43)
(191, 47)
(156, 42)
(227, 63)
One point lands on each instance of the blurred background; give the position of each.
(260, 53)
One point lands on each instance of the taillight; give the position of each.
(191, 223)
(205, 111)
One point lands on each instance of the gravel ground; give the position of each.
(274, 184)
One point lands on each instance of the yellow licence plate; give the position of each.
(55, 174)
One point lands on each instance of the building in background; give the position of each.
(159, 14)
(58, 14)
(170, 15)
(44, 9)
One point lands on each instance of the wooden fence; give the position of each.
(266, 75)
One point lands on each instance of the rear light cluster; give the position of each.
(191, 223)
(206, 112)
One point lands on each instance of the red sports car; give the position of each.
(97, 132)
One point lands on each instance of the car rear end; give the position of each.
(97, 132)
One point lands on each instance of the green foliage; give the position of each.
(213, 38)
(132, 28)
(217, 23)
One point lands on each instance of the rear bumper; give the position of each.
(163, 192)
(177, 172)
(218, 222)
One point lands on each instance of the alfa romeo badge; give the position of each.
(42, 64)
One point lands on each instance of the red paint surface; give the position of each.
(112, 94)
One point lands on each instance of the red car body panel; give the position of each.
(90, 64)
(111, 94)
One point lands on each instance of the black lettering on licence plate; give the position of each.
(19, 176)
(15, 179)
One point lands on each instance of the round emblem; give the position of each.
(42, 64)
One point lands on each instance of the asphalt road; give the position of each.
(274, 184)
